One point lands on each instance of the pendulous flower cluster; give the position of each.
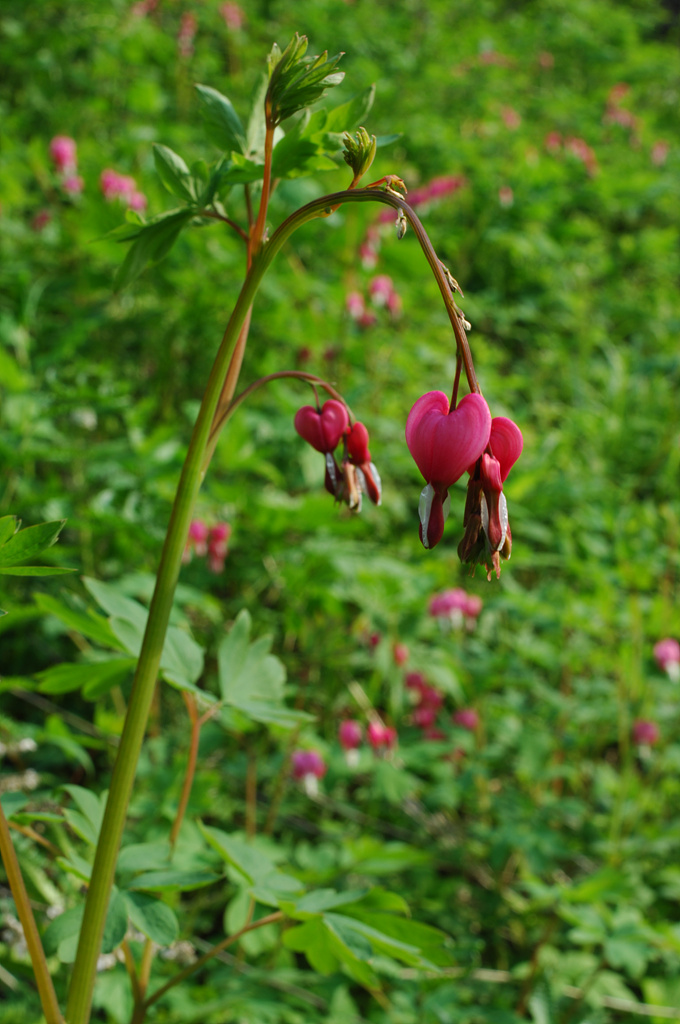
(447, 440)
(324, 428)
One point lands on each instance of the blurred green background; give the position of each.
(551, 841)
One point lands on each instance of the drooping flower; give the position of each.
(308, 767)
(349, 733)
(218, 538)
(443, 443)
(667, 655)
(381, 736)
(467, 718)
(322, 428)
(63, 153)
(645, 732)
(400, 653)
(487, 527)
(368, 476)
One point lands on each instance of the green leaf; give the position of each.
(12, 803)
(29, 542)
(257, 125)
(88, 624)
(150, 855)
(151, 243)
(8, 527)
(312, 904)
(77, 866)
(182, 659)
(427, 941)
(87, 821)
(35, 570)
(61, 935)
(95, 679)
(152, 917)
(295, 155)
(116, 923)
(115, 603)
(252, 862)
(173, 881)
(350, 115)
(174, 173)
(313, 939)
(222, 123)
(248, 672)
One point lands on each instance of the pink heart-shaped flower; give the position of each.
(506, 443)
(324, 429)
(442, 443)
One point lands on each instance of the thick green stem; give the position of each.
(82, 979)
(96, 905)
(48, 998)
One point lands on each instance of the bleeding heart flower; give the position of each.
(322, 428)
(368, 478)
(443, 443)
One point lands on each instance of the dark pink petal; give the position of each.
(442, 443)
(506, 443)
(357, 443)
(324, 429)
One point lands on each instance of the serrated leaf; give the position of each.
(174, 173)
(170, 880)
(152, 917)
(95, 679)
(151, 244)
(29, 542)
(247, 671)
(223, 125)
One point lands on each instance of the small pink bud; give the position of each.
(431, 698)
(645, 732)
(349, 733)
(234, 18)
(416, 681)
(373, 640)
(138, 202)
(506, 196)
(308, 762)
(401, 654)
(467, 718)
(660, 152)
(424, 717)
(63, 153)
(41, 220)
(667, 655)
(74, 184)
(380, 289)
(511, 119)
(198, 536)
(381, 736)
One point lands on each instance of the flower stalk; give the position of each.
(203, 441)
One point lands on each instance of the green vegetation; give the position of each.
(513, 856)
